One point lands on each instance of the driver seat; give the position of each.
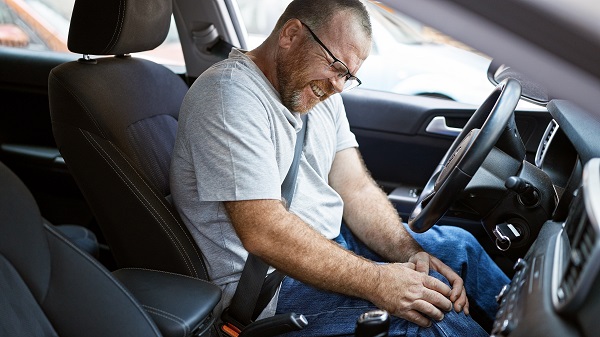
(114, 120)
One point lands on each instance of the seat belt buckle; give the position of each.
(230, 330)
(231, 326)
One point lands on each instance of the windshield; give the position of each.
(403, 32)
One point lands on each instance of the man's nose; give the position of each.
(337, 83)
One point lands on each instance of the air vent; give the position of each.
(582, 228)
(581, 250)
(545, 143)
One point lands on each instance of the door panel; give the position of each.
(393, 136)
(26, 142)
(397, 148)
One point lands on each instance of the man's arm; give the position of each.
(284, 241)
(374, 220)
(367, 210)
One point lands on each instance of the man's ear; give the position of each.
(289, 33)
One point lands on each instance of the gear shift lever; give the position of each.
(375, 323)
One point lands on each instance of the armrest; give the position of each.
(179, 305)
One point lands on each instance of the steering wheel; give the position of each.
(465, 156)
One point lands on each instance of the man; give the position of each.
(235, 144)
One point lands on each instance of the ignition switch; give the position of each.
(507, 234)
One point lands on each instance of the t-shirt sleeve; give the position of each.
(345, 137)
(230, 144)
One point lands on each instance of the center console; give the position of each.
(556, 287)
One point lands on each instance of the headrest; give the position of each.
(115, 27)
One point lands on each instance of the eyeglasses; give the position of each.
(350, 81)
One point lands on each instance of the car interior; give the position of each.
(85, 146)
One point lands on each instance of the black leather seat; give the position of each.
(50, 287)
(114, 120)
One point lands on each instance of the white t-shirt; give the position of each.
(235, 141)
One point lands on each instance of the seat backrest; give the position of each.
(114, 120)
(48, 287)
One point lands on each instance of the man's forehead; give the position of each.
(345, 36)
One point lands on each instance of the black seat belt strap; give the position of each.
(250, 296)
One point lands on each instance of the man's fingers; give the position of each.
(421, 260)
(422, 266)
(434, 284)
(458, 288)
(458, 295)
(438, 300)
(416, 317)
(466, 307)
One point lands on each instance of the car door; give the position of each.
(26, 142)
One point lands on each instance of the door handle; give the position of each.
(438, 126)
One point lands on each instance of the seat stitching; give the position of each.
(167, 315)
(143, 202)
(91, 117)
(167, 272)
(160, 199)
(117, 32)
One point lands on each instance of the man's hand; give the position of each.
(458, 295)
(412, 295)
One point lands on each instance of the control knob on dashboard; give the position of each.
(506, 328)
(520, 264)
(502, 293)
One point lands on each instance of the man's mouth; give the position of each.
(317, 91)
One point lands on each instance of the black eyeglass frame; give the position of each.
(348, 75)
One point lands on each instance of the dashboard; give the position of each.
(555, 290)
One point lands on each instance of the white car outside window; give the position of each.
(44, 25)
(402, 59)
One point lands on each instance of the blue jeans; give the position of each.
(333, 314)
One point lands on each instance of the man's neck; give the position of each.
(265, 59)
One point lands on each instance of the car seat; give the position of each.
(50, 287)
(114, 120)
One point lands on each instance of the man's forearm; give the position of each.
(367, 210)
(284, 241)
(374, 220)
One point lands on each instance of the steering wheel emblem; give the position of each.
(454, 154)
(456, 157)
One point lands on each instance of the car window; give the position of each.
(44, 25)
(407, 57)
(402, 28)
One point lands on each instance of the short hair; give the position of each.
(315, 13)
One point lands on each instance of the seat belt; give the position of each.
(254, 290)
